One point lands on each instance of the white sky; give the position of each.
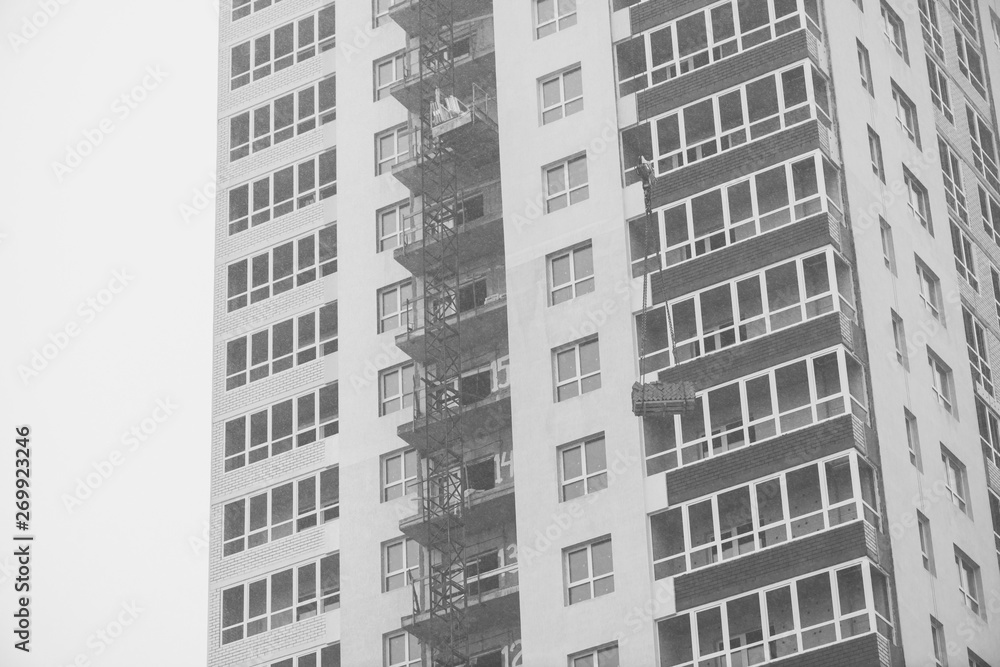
(135, 540)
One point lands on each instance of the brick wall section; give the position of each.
(731, 165)
(765, 458)
(298, 461)
(727, 73)
(760, 353)
(298, 378)
(741, 258)
(657, 12)
(857, 652)
(264, 161)
(247, 651)
(767, 567)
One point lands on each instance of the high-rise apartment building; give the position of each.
(807, 471)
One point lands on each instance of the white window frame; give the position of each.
(593, 475)
(899, 339)
(865, 67)
(895, 31)
(930, 26)
(579, 382)
(560, 20)
(968, 582)
(938, 84)
(906, 114)
(888, 245)
(407, 483)
(558, 183)
(940, 643)
(565, 105)
(580, 282)
(403, 398)
(602, 656)
(380, 15)
(912, 438)
(406, 575)
(942, 383)
(400, 312)
(966, 14)
(875, 151)
(956, 480)
(983, 146)
(412, 651)
(400, 152)
(970, 62)
(396, 65)
(954, 185)
(400, 213)
(926, 541)
(591, 580)
(918, 201)
(965, 257)
(263, 57)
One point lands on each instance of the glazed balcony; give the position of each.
(479, 221)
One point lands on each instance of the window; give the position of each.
(400, 564)
(552, 16)
(966, 12)
(728, 119)
(912, 438)
(930, 27)
(969, 584)
(396, 389)
(281, 268)
(281, 346)
(599, 657)
(402, 650)
(865, 65)
(895, 31)
(274, 195)
(918, 201)
(271, 431)
(577, 369)
(388, 71)
(283, 118)
(328, 656)
(745, 208)
(283, 47)
(571, 273)
(562, 95)
(975, 340)
(990, 210)
(391, 147)
(989, 432)
(381, 10)
(888, 247)
(926, 545)
(583, 468)
(899, 339)
(278, 512)
(956, 479)
(906, 114)
(589, 571)
(708, 35)
(875, 150)
(941, 381)
(399, 474)
(393, 223)
(395, 306)
(954, 190)
(281, 599)
(983, 147)
(766, 625)
(930, 290)
(970, 63)
(940, 644)
(995, 23)
(764, 514)
(753, 409)
(995, 276)
(995, 515)
(566, 183)
(938, 82)
(975, 660)
(965, 262)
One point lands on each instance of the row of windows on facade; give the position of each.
(282, 47)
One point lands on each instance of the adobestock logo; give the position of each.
(31, 25)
